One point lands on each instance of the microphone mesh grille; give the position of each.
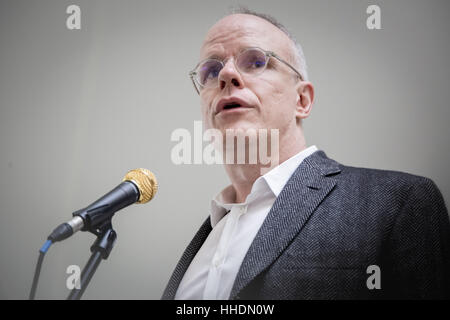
(145, 181)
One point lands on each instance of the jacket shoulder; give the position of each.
(371, 175)
(378, 184)
(392, 188)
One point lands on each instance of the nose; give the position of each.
(230, 76)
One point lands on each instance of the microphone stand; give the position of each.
(106, 237)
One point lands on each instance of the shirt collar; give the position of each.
(279, 176)
(273, 181)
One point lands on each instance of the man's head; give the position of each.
(275, 99)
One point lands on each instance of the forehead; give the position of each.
(235, 32)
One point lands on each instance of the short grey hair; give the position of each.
(298, 55)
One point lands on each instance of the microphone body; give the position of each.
(139, 186)
(98, 213)
(103, 209)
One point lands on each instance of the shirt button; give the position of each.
(243, 209)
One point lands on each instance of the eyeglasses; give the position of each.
(251, 61)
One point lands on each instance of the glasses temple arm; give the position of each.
(273, 54)
(191, 75)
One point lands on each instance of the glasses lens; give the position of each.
(252, 61)
(208, 72)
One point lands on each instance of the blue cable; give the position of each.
(37, 272)
(46, 245)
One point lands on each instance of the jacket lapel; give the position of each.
(186, 259)
(305, 190)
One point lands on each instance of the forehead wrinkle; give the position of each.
(219, 42)
(248, 31)
(225, 35)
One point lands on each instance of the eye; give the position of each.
(252, 60)
(209, 71)
(258, 63)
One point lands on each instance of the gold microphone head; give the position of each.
(145, 181)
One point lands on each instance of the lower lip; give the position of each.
(234, 110)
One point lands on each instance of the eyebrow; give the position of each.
(214, 56)
(220, 56)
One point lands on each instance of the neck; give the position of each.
(242, 176)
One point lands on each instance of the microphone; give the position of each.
(138, 186)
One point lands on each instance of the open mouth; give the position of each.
(231, 106)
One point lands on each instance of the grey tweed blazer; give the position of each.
(329, 224)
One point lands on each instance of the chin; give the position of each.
(239, 126)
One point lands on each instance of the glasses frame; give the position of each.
(269, 54)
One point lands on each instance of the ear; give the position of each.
(305, 99)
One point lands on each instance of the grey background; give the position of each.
(81, 108)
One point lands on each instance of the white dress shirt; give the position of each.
(214, 268)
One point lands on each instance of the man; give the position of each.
(310, 228)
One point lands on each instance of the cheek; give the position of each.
(206, 109)
(278, 104)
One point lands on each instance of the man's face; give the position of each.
(269, 98)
